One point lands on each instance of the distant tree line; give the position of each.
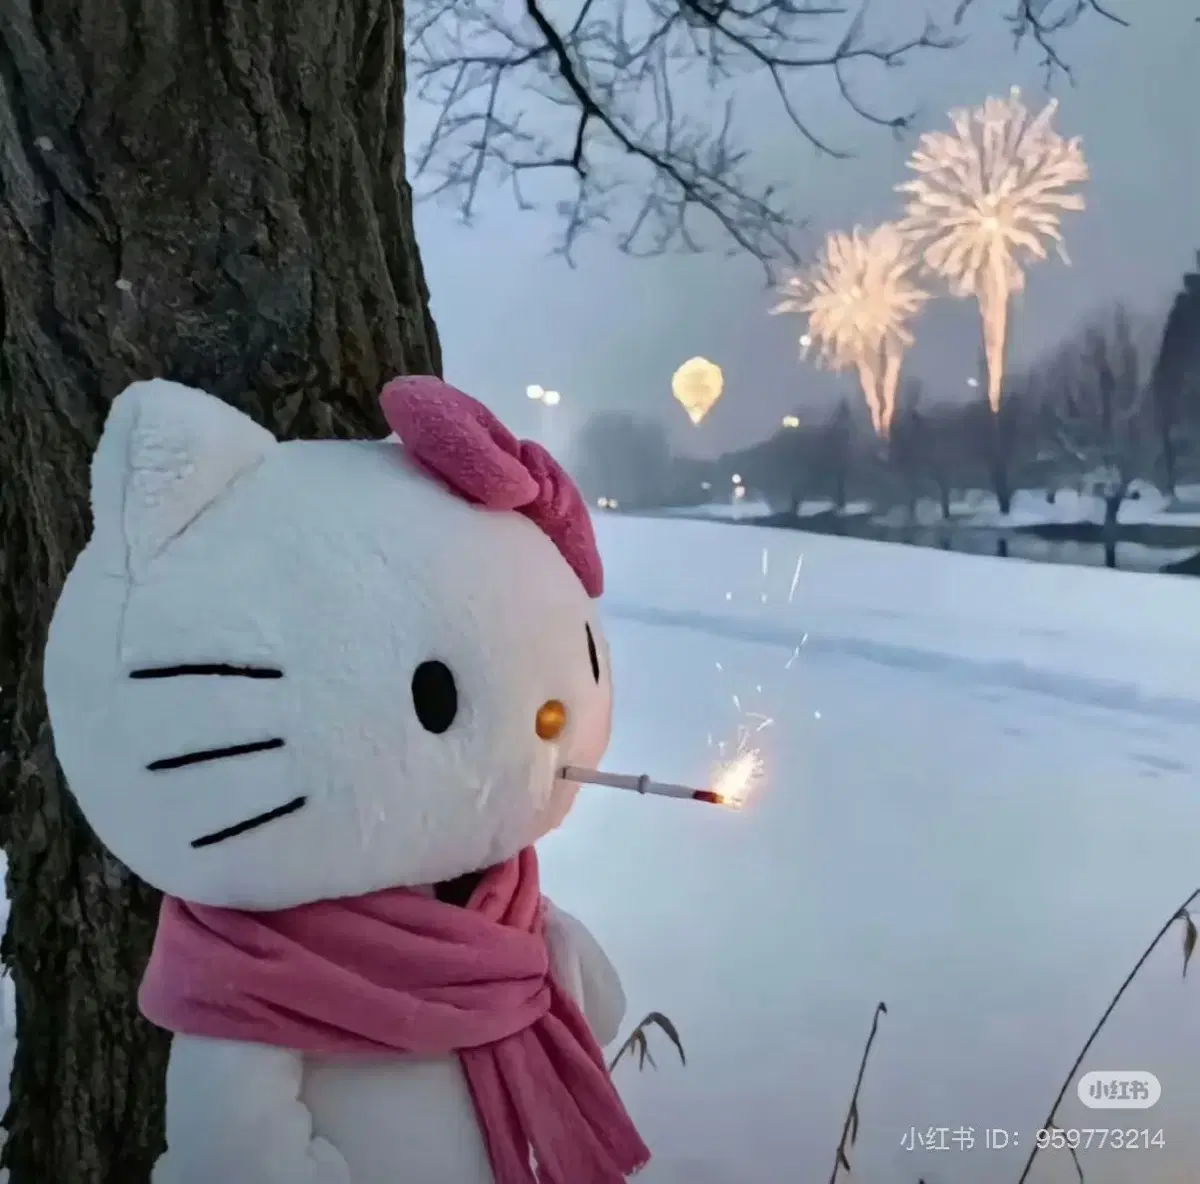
(1117, 400)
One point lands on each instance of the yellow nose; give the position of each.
(550, 720)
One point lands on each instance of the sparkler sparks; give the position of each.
(737, 774)
(795, 577)
(737, 778)
(859, 298)
(987, 198)
(739, 768)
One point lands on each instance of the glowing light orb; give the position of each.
(696, 387)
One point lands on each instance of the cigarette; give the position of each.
(641, 784)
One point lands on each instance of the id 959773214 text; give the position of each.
(969, 1138)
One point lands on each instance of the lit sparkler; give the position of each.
(987, 199)
(735, 777)
(859, 299)
(725, 792)
(736, 774)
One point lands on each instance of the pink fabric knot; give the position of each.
(459, 441)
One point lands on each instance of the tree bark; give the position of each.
(1000, 430)
(1112, 509)
(213, 193)
(1169, 466)
(944, 499)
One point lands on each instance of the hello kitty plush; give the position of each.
(318, 694)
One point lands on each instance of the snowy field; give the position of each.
(980, 808)
(980, 805)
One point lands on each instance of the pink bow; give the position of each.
(459, 441)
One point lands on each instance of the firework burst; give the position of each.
(859, 298)
(987, 201)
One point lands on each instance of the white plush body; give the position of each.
(376, 1121)
(342, 567)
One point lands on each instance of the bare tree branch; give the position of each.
(1040, 21)
(634, 99)
(1097, 393)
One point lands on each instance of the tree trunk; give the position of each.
(1170, 479)
(1002, 489)
(1112, 508)
(1000, 450)
(944, 500)
(1001, 485)
(840, 482)
(214, 194)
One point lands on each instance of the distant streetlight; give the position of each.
(805, 340)
(550, 426)
(972, 382)
(706, 485)
(737, 479)
(541, 395)
(791, 421)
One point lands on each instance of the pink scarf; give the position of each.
(399, 972)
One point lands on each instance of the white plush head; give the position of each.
(284, 672)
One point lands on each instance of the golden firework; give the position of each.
(697, 385)
(859, 298)
(986, 201)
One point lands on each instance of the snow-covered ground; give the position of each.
(1031, 507)
(980, 804)
(980, 807)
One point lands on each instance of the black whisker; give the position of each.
(240, 828)
(218, 668)
(214, 754)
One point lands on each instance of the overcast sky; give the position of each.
(609, 333)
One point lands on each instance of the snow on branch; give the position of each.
(635, 99)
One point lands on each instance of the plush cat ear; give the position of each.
(167, 453)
